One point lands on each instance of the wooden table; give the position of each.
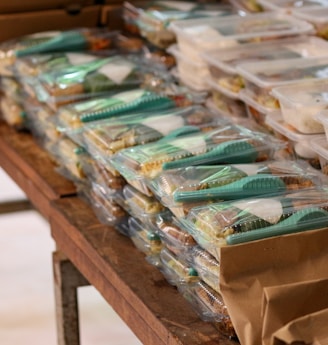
(93, 253)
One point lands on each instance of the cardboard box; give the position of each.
(18, 24)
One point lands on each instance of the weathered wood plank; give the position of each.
(138, 292)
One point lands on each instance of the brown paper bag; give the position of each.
(310, 329)
(284, 303)
(247, 268)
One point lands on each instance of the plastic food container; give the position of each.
(53, 41)
(207, 266)
(143, 207)
(322, 117)
(222, 63)
(108, 211)
(175, 270)
(301, 102)
(209, 306)
(290, 5)
(226, 145)
(317, 16)
(12, 112)
(246, 6)
(261, 77)
(177, 240)
(298, 143)
(229, 223)
(144, 237)
(108, 137)
(153, 24)
(200, 35)
(320, 146)
(189, 70)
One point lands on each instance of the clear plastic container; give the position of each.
(12, 112)
(189, 70)
(144, 237)
(200, 35)
(222, 63)
(176, 270)
(233, 107)
(177, 240)
(153, 24)
(230, 182)
(209, 306)
(53, 41)
(226, 145)
(207, 266)
(261, 77)
(289, 5)
(143, 207)
(300, 103)
(317, 16)
(320, 146)
(108, 137)
(247, 6)
(298, 143)
(230, 223)
(108, 211)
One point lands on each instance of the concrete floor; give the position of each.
(26, 290)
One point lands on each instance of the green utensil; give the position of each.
(245, 187)
(307, 219)
(234, 151)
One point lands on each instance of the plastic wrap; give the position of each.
(227, 144)
(217, 225)
(53, 41)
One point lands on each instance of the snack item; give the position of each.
(144, 238)
(53, 41)
(12, 112)
(175, 269)
(177, 240)
(209, 305)
(207, 266)
(227, 144)
(261, 77)
(301, 102)
(255, 218)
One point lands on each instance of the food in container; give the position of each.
(209, 305)
(177, 240)
(207, 266)
(175, 269)
(228, 144)
(301, 102)
(317, 16)
(228, 223)
(261, 77)
(298, 143)
(320, 146)
(144, 237)
(247, 6)
(53, 41)
(222, 62)
(12, 112)
(229, 106)
(197, 36)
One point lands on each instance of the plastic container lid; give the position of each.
(290, 4)
(227, 59)
(269, 74)
(213, 33)
(320, 146)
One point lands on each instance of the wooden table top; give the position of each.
(153, 309)
(32, 169)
